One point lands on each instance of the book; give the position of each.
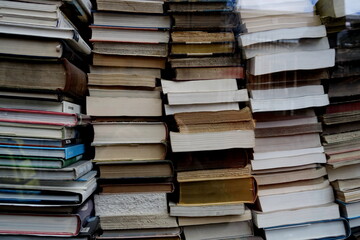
(133, 211)
(72, 172)
(124, 34)
(198, 86)
(202, 160)
(283, 104)
(129, 48)
(40, 142)
(37, 131)
(145, 107)
(331, 228)
(208, 73)
(41, 105)
(201, 221)
(199, 6)
(343, 172)
(65, 152)
(205, 61)
(171, 110)
(278, 34)
(338, 8)
(187, 142)
(266, 23)
(290, 7)
(65, 77)
(37, 162)
(221, 230)
(135, 169)
(100, 91)
(40, 224)
(129, 71)
(293, 200)
(344, 185)
(300, 60)
(184, 98)
(25, 116)
(117, 79)
(349, 210)
(39, 48)
(295, 216)
(131, 20)
(162, 233)
(155, 151)
(289, 176)
(137, 187)
(207, 210)
(287, 45)
(136, 6)
(235, 189)
(70, 35)
(45, 196)
(129, 132)
(205, 20)
(128, 61)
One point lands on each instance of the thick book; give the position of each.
(24, 116)
(132, 6)
(135, 169)
(202, 160)
(204, 141)
(38, 131)
(37, 162)
(131, 20)
(65, 152)
(133, 211)
(128, 34)
(325, 229)
(127, 106)
(70, 35)
(120, 152)
(297, 60)
(338, 8)
(72, 172)
(234, 230)
(41, 105)
(107, 60)
(129, 132)
(278, 34)
(230, 186)
(66, 77)
(295, 216)
(206, 211)
(286, 201)
(145, 186)
(158, 233)
(200, 6)
(173, 109)
(206, 73)
(213, 61)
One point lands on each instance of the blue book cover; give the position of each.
(65, 152)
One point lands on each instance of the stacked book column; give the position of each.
(286, 62)
(211, 129)
(341, 117)
(130, 47)
(46, 183)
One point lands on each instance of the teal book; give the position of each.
(64, 153)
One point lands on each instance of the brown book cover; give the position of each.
(209, 73)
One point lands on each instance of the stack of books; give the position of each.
(286, 62)
(341, 117)
(130, 47)
(46, 185)
(211, 134)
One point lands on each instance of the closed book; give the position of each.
(65, 77)
(133, 6)
(37, 130)
(38, 142)
(72, 172)
(208, 73)
(37, 162)
(108, 60)
(65, 152)
(230, 186)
